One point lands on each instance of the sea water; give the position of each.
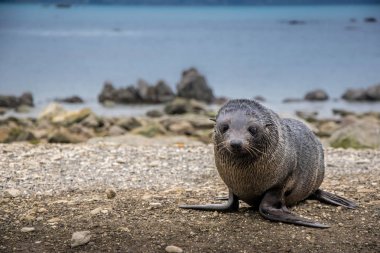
(242, 51)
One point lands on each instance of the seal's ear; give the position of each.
(212, 119)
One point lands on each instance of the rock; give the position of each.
(142, 93)
(12, 193)
(354, 95)
(342, 112)
(154, 113)
(80, 238)
(173, 249)
(9, 101)
(23, 109)
(193, 85)
(308, 116)
(51, 111)
(26, 99)
(96, 211)
(163, 93)
(70, 100)
(316, 95)
(27, 229)
(202, 123)
(62, 135)
(129, 123)
(363, 133)
(2, 111)
(371, 93)
(92, 121)
(109, 104)
(116, 130)
(296, 22)
(14, 102)
(111, 193)
(18, 133)
(181, 106)
(292, 100)
(150, 130)
(181, 127)
(370, 20)
(327, 128)
(70, 117)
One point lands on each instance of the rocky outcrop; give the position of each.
(141, 93)
(193, 85)
(369, 94)
(317, 95)
(14, 101)
(370, 20)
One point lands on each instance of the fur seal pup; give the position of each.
(268, 162)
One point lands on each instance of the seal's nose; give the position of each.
(236, 144)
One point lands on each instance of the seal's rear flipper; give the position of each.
(333, 199)
(273, 209)
(231, 205)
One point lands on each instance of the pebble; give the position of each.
(12, 193)
(27, 229)
(96, 211)
(111, 193)
(80, 238)
(173, 249)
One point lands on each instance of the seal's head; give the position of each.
(244, 128)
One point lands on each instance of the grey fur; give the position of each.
(290, 158)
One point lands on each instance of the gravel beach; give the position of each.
(50, 191)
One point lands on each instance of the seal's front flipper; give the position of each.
(231, 205)
(333, 199)
(272, 208)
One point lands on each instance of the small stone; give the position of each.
(80, 238)
(39, 218)
(110, 193)
(54, 220)
(96, 211)
(27, 229)
(12, 193)
(340, 224)
(155, 204)
(173, 249)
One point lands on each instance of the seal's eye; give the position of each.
(252, 130)
(224, 128)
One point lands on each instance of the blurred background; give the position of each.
(278, 50)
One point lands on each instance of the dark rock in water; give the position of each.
(163, 93)
(154, 113)
(193, 85)
(372, 93)
(26, 99)
(14, 102)
(296, 22)
(108, 93)
(342, 112)
(142, 93)
(182, 106)
(317, 95)
(70, 100)
(354, 95)
(370, 20)
(9, 101)
(259, 98)
(292, 100)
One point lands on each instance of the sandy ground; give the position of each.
(61, 189)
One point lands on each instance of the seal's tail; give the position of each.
(333, 199)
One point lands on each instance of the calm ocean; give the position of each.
(243, 51)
